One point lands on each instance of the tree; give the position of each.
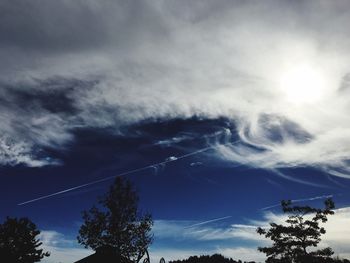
(19, 242)
(117, 225)
(291, 242)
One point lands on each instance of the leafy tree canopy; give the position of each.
(19, 242)
(302, 231)
(117, 225)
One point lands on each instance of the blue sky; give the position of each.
(216, 111)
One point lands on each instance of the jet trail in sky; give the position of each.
(300, 200)
(168, 160)
(209, 221)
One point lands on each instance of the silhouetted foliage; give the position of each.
(338, 260)
(117, 225)
(291, 242)
(19, 242)
(216, 258)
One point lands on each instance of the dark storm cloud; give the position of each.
(45, 26)
(56, 97)
(42, 25)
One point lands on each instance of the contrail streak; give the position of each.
(169, 160)
(209, 221)
(300, 200)
(296, 179)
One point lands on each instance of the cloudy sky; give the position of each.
(216, 110)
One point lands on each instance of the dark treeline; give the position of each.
(216, 258)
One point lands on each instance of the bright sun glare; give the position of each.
(303, 84)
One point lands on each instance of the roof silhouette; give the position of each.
(105, 255)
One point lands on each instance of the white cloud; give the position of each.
(65, 250)
(209, 234)
(13, 153)
(180, 230)
(61, 249)
(65, 254)
(337, 231)
(159, 59)
(337, 235)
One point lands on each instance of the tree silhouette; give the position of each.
(19, 242)
(117, 226)
(291, 242)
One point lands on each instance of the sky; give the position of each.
(215, 110)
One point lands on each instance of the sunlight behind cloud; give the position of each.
(303, 84)
(234, 61)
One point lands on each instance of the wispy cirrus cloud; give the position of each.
(164, 60)
(61, 248)
(186, 230)
(208, 237)
(337, 236)
(300, 200)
